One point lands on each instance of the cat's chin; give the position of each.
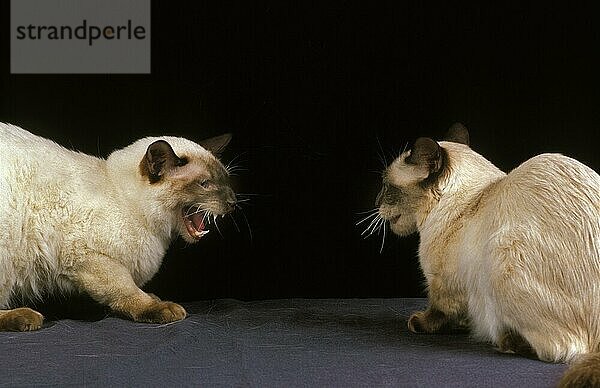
(402, 228)
(193, 220)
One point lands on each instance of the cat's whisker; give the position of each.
(368, 211)
(368, 228)
(198, 210)
(235, 158)
(247, 224)
(370, 214)
(366, 232)
(381, 227)
(365, 219)
(188, 213)
(234, 223)
(403, 149)
(217, 225)
(383, 239)
(372, 226)
(232, 161)
(236, 169)
(375, 227)
(382, 157)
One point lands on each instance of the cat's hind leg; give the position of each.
(512, 342)
(20, 319)
(546, 310)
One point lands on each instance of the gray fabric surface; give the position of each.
(331, 342)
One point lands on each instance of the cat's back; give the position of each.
(551, 179)
(23, 152)
(19, 144)
(551, 201)
(39, 176)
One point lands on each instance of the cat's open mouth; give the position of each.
(193, 219)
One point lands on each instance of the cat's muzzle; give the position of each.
(193, 219)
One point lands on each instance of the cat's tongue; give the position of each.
(195, 225)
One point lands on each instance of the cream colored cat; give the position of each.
(514, 256)
(74, 222)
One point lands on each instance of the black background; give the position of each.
(308, 91)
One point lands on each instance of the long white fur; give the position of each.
(56, 204)
(523, 248)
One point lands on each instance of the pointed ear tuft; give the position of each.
(426, 153)
(216, 144)
(458, 133)
(159, 159)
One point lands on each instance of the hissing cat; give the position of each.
(74, 222)
(516, 256)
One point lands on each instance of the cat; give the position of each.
(72, 222)
(513, 257)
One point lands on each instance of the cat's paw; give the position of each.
(21, 319)
(434, 321)
(416, 322)
(511, 342)
(162, 312)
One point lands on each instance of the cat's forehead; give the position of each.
(400, 173)
(185, 147)
(198, 158)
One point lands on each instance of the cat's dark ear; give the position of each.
(457, 133)
(216, 144)
(159, 159)
(426, 153)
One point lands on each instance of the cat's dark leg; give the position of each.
(428, 321)
(512, 342)
(433, 320)
(20, 319)
(446, 313)
(111, 284)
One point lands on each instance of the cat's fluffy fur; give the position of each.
(74, 222)
(514, 256)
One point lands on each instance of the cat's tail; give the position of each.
(585, 372)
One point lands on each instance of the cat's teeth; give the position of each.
(200, 234)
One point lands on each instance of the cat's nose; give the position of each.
(231, 201)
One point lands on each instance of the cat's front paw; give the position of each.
(162, 312)
(21, 319)
(434, 321)
(416, 322)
